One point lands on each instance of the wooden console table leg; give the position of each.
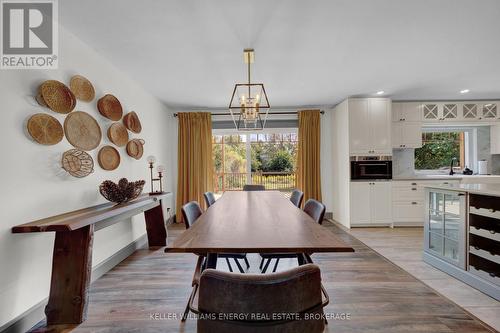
(155, 226)
(71, 269)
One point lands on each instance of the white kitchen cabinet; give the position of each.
(406, 112)
(408, 200)
(465, 111)
(360, 202)
(440, 111)
(371, 203)
(406, 135)
(359, 126)
(381, 202)
(370, 126)
(495, 139)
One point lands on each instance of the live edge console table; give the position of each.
(72, 257)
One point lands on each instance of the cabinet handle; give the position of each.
(461, 194)
(413, 189)
(414, 202)
(414, 184)
(492, 210)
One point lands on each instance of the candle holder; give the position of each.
(161, 169)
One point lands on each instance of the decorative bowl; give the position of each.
(122, 192)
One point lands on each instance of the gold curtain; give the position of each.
(308, 154)
(195, 166)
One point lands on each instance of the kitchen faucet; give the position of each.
(451, 166)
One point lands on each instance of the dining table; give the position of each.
(255, 222)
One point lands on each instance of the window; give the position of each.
(439, 148)
(255, 158)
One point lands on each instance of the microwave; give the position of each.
(371, 167)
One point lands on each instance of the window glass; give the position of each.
(272, 164)
(438, 149)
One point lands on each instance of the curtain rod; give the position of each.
(228, 114)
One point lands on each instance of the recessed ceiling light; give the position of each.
(381, 92)
(465, 91)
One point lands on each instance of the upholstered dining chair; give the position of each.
(295, 291)
(313, 208)
(297, 197)
(253, 187)
(209, 198)
(191, 212)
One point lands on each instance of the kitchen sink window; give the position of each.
(442, 146)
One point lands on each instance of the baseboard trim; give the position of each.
(35, 314)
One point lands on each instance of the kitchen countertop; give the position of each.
(485, 189)
(443, 177)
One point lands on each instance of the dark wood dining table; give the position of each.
(255, 222)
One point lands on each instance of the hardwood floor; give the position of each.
(377, 296)
(404, 247)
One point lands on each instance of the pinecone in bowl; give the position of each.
(123, 191)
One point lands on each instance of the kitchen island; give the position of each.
(462, 233)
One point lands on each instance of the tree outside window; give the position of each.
(438, 149)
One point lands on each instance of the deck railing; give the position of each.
(281, 181)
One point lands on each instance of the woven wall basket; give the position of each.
(56, 96)
(108, 158)
(132, 122)
(82, 130)
(77, 163)
(118, 134)
(45, 129)
(82, 88)
(135, 148)
(110, 107)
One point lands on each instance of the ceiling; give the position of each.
(189, 53)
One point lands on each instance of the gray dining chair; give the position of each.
(209, 198)
(313, 208)
(191, 212)
(298, 291)
(253, 187)
(297, 197)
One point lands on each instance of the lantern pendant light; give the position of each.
(249, 105)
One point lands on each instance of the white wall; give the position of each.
(34, 186)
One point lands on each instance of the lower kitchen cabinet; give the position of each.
(371, 203)
(408, 200)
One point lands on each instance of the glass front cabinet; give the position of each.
(445, 226)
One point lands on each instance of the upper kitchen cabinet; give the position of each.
(459, 111)
(440, 112)
(370, 126)
(406, 125)
(406, 135)
(406, 112)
